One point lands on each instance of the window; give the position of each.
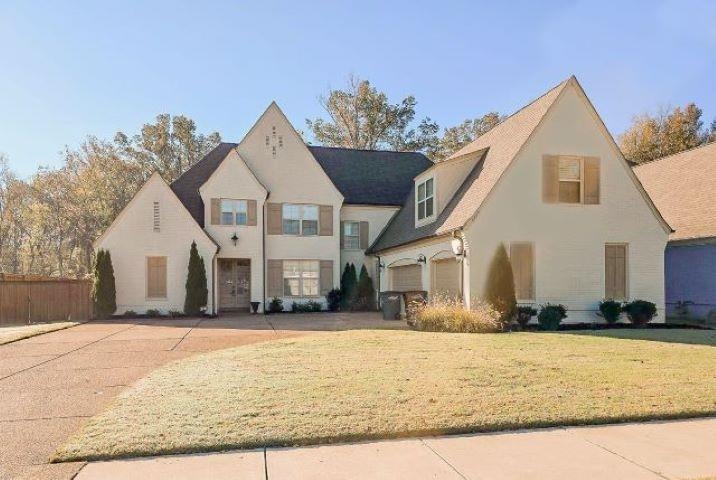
(351, 235)
(156, 277)
(300, 278)
(615, 271)
(300, 219)
(570, 180)
(426, 202)
(523, 269)
(234, 212)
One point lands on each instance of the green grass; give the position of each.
(21, 332)
(385, 384)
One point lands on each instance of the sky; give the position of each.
(77, 68)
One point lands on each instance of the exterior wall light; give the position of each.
(234, 238)
(458, 247)
(422, 259)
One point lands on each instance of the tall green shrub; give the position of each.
(500, 288)
(365, 292)
(197, 292)
(104, 294)
(349, 284)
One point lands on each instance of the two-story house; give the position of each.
(274, 217)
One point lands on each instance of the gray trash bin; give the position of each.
(390, 305)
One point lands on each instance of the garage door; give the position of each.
(406, 278)
(446, 277)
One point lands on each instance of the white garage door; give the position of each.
(446, 277)
(406, 278)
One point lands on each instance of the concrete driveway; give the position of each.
(50, 385)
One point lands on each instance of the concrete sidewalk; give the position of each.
(655, 450)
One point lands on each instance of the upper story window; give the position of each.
(425, 200)
(234, 212)
(570, 180)
(351, 235)
(300, 219)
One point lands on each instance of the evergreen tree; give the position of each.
(345, 286)
(500, 288)
(366, 292)
(196, 290)
(104, 296)
(353, 285)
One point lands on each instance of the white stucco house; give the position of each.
(273, 216)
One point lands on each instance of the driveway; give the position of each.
(50, 385)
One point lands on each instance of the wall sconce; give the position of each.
(422, 259)
(234, 238)
(458, 247)
(381, 265)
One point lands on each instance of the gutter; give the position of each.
(263, 255)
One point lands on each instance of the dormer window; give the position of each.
(570, 179)
(425, 200)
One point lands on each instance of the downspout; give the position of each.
(263, 256)
(379, 273)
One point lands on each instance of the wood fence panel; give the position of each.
(33, 301)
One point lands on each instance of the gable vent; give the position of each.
(156, 216)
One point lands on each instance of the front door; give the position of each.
(234, 283)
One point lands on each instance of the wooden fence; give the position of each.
(37, 299)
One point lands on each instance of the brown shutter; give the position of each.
(326, 276)
(550, 179)
(215, 211)
(325, 220)
(274, 220)
(343, 236)
(363, 230)
(591, 180)
(615, 272)
(251, 213)
(156, 277)
(274, 277)
(522, 261)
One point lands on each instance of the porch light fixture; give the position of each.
(234, 238)
(458, 248)
(422, 259)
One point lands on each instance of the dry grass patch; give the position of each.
(20, 332)
(377, 384)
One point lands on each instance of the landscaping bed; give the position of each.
(384, 384)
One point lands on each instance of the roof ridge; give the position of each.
(649, 162)
(414, 152)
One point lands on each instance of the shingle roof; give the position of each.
(186, 187)
(683, 187)
(401, 229)
(500, 145)
(371, 177)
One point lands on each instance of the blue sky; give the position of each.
(69, 69)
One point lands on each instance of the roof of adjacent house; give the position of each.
(186, 187)
(371, 177)
(683, 187)
(365, 177)
(499, 146)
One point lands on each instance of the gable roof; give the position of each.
(401, 229)
(371, 177)
(682, 187)
(186, 187)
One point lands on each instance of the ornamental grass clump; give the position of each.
(445, 314)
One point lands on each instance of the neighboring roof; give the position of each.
(401, 229)
(186, 187)
(683, 187)
(371, 177)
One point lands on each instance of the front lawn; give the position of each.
(21, 332)
(383, 384)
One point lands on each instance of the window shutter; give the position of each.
(550, 179)
(156, 277)
(251, 213)
(591, 180)
(342, 235)
(522, 261)
(215, 211)
(325, 220)
(275, 278)
(274, 220)
(363, 230)
(615, 273)
(326, 276)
